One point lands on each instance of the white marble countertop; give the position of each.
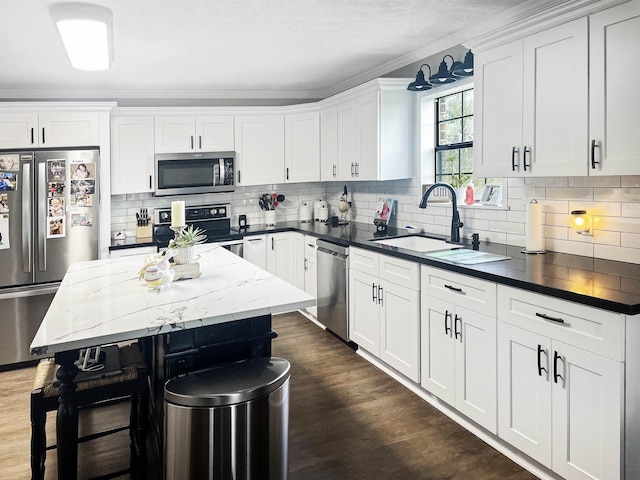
(102, 301)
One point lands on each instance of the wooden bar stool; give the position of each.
(131, 382)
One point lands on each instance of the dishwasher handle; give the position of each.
(333, 249)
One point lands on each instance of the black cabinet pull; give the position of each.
(524, 158)
(540, 367)
(273, 243)
(594, 145)
(305, 264)
(447, 328)
(334, 170)
(43, 135)
(287, 173)
(357, 169)
(150, 182)
(374, 292)
(455, 289)
(32, 142)
(551, 319)
(380, 292)
(457, 333)
(200, 142)
(352, 168)
(513, 158)
(191, 142)
(556, 375)
(238, 177)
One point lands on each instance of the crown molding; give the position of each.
(546, 18)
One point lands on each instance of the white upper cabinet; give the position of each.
(367, 133)
(614, 95)
(329, 143)
(132, 167)
(555, 118)
(302, 146)
(51, 129)
(259, 141)
(186, 133)
(527, 122)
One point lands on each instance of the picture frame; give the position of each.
(492, 194)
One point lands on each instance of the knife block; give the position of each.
(144, 232)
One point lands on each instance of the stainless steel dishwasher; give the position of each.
(332, 288)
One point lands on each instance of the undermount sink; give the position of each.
(417, 243)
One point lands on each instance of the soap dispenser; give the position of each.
(469, 197)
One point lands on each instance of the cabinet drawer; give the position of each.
(472, 293)
(401, 272)
(589, 328)
(363, 260)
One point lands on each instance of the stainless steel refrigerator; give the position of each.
(49, 204)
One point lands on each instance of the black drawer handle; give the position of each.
(551, 319)
(374, 293)
(380, 293)
(540, 367)
(447, 328)
(455, 289)
(514, 150)
(556, 375)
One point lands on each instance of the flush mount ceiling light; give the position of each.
(444, 75)
(86, 32)
(464, 69)
(420, 83)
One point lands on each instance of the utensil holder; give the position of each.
(270, 217)
(145, 231)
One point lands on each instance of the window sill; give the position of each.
(481, 206)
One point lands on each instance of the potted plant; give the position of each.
(184, 242)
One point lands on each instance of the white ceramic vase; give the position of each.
(185, 255)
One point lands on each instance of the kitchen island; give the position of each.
(102, 302)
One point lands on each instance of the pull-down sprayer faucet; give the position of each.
(455, 218)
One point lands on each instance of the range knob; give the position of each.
(222, 212)
(213, 212)
(165, 216)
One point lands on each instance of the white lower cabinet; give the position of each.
(384, 312)
(273, 252)
(458, 344)
(559, 403)
(254, 250)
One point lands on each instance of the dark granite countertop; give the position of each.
(606, 284)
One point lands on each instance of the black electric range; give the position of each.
(213, 219)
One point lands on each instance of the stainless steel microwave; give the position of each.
(189, 173)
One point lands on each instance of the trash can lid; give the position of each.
(228, 384)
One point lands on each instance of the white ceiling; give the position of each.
(240, 48)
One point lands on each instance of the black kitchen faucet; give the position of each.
(455, 218)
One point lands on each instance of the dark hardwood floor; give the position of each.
(348, 421)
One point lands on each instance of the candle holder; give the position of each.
(177, 230)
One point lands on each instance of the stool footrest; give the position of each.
(93, 436)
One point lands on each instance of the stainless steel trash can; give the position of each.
(228, 422)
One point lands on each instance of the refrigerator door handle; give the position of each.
(42, 216)
(26, 218)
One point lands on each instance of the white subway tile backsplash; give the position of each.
(614, 203)
(621, 254)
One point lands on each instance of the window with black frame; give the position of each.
(454, 138)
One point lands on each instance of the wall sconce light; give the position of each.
(444, 75)
(86, 32)
(465, 69)
(420, 83)
(581, 222)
